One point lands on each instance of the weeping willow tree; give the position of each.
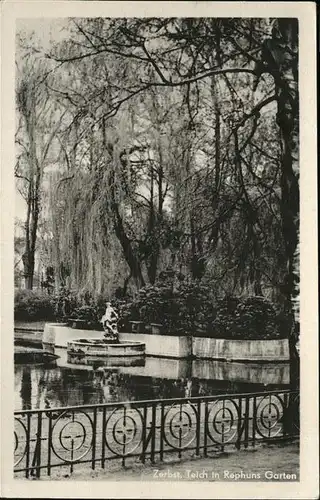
(99, 228)
(84, 242)
(37, 126)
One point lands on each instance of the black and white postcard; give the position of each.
(159, 250)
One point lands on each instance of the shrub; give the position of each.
(155, 303)
(65, 303)
(89, 314)
(251, 318)
(182, 310)
(86, 313)
(257, 318)
(224, 325)
(197, 306)
(191, 308)
(33, 305)
(127, 311)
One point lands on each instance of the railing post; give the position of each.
(205, 436)
(240, 425)
(144, 434)
(162, 431)
(49, 415)
(180, 432)
(198, 429)
(246, 422)
(36, 462)
(153, 433)
(124, 436)
(223, 424)
(103, 437)
(28, 445)
(94, 438)
(285, 418)
(254, 420)
(71, 455)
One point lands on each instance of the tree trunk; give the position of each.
(153, 247)
(128, 251)
(280, 56)
(28, 268)
(286, 34)
(28, 257)
(112, 205)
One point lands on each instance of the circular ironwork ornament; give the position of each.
(223, 421)
(75, 437)
(269, 415)
(180, 426)
(123, 431)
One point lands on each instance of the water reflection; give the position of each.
(97, 361)
(64, 383)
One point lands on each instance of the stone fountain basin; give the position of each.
(96, 347)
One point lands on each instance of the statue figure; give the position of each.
(110, 324)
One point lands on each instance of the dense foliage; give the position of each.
(250, 318)
(187, 309)
(31, 305)
(182, 309)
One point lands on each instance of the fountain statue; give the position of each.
(109, 322)
(109, 346)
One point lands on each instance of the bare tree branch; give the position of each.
(213, 72)
(21, 177)
(64, 179)
(255, 111)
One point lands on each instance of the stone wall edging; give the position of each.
(182, 346)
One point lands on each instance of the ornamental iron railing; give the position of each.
(148, 430)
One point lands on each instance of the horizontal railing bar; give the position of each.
(132, 404)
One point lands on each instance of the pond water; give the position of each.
(65, 384)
